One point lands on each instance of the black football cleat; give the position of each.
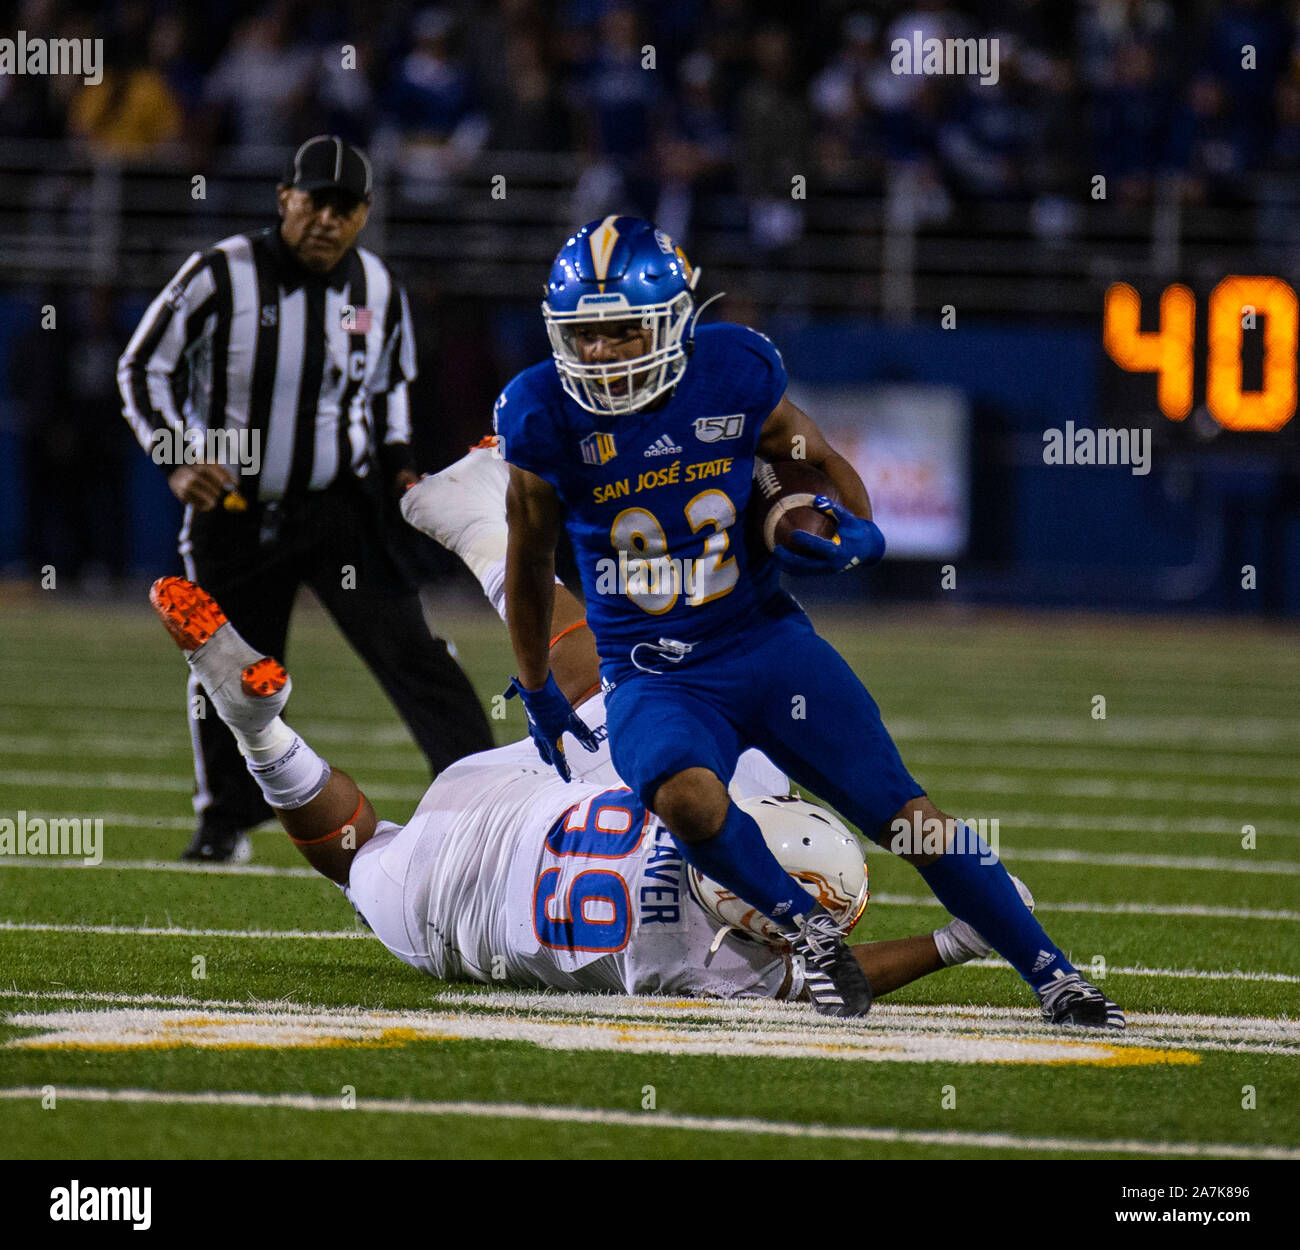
(1070, 1000)
(835, 980)
(209, 847)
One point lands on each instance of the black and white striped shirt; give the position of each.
(315, 368)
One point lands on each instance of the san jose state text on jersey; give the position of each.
(660, 492)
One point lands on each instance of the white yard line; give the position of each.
(1177, 974)
(907, 900)
(1203, 974)
(316, 935)
(1255, 795)
(53, 779)
(162, 865)
(748, 1126)
(1088, 822)
(763, 1011)
(74, 700)
(1121, 859)
(145, 823)
(1268, 1034)
(1023, 1020)
(146, 1000)
(1227, 826)
(1054, 855)
(1093, 749)
(939, 749)
(153, 783)
(1251, 797)
(1108, 909)
(1212, 733)
(146, 746)
(137, 820)
(1074, 761)
(337, 712)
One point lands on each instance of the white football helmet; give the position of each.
(814, 846)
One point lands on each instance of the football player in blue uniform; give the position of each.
(640, 436)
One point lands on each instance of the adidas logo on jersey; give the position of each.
(663, 446)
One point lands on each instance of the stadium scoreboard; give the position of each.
(1231, 352)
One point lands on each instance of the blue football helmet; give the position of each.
(620, 269)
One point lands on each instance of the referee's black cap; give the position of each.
(328, 161)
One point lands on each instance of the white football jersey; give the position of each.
(506, 874)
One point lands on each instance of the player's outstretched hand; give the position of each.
(856, 542)
(550, 717)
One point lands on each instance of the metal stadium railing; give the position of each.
(68, 214)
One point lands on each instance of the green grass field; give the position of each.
(1134, 831)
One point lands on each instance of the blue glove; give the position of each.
(550, 716)
(856, 542)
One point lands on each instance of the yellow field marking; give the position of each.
(167, 1029)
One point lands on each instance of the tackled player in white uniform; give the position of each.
(508, 874)
(505, 873)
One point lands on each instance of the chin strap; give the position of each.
(718, 939)
(689, 345)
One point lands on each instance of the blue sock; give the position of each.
(976, 888)
(737, 857)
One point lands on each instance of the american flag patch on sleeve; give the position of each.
(357, 320)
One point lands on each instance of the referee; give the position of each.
(269, 380)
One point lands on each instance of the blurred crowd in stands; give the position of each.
(668, 96)
(663, 103)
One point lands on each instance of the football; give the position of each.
(781, 502)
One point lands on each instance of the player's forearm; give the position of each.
(790, 434)
(852, 489)
(530, 599)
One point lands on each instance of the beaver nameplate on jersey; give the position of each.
(782, 502)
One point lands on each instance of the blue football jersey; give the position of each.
(654, 501)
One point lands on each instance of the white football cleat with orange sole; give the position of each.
(248, 690)
(464, 507)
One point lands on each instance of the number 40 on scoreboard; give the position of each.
(1239, 303)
